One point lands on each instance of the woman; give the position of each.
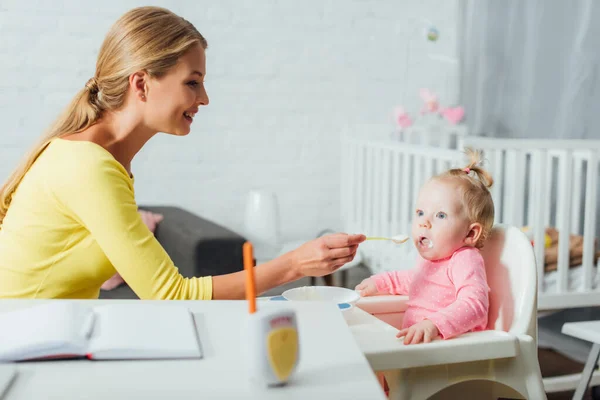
(68, 216)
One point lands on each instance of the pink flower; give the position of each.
(402, 118)
(453, 114)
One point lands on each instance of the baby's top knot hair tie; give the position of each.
(467, 170)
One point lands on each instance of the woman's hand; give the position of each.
(318, 257)
(367, 287)
(324, 255)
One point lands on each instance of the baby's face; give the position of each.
(440, 225)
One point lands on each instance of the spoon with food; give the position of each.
(398, 239)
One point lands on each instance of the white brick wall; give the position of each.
(285, 79)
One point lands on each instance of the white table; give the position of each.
(331, 364)
(589, 331)
(374, 322)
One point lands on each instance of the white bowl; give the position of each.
(333, 294)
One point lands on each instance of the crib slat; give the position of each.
(355, 191)
(498, 168)
(375, 180)
(417, 179)
(377, 189)
(345, 183)
(548, 185)
(428, 170)
(589, 224)
(405, 189)
(562, 218)
(538, 202)
(394, 187)
(577, 189)
(368, 191)
(359, 194)
(490, 164)
(384, 219)
(517, 199)
(372, 190)
(529, 190)
(508, 199)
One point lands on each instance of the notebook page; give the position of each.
(144, 331)
(52, 329)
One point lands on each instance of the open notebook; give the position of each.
(68, 329)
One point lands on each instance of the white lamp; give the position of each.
(261, 223)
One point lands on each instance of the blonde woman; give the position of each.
(68, 215)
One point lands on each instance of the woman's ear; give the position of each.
(138, 84)
(473, 234)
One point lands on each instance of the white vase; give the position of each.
(261, 223)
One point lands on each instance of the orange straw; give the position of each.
(250, 285)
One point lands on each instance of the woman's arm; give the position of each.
(98, 193)
(318, 257)
(267, 276)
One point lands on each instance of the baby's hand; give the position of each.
(366, 288)
(425, 331)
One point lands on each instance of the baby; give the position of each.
(448, 291)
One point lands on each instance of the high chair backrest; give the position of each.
(512, 277)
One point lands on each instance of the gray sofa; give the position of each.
(197, 246)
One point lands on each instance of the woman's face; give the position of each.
(173, 99)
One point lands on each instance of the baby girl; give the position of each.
(448, 291)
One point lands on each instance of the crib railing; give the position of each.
(538, 183)
(549, 183)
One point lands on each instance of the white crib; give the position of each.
(543, 183)
(538, 183)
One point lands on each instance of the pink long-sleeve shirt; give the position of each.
(452, 293)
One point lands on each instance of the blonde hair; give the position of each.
(474, 182)
(149, 39)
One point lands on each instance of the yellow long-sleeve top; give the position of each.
(72, 222)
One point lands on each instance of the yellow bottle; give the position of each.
(273, 346)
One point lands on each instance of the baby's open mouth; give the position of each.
(425, 242)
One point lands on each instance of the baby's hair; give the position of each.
(475, 183)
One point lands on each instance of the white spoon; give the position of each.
(398, 239)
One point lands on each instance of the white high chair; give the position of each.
(501, 362)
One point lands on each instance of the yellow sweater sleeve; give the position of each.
(98, 193)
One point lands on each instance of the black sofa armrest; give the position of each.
(197, 246)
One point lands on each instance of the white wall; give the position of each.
(285, 79)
